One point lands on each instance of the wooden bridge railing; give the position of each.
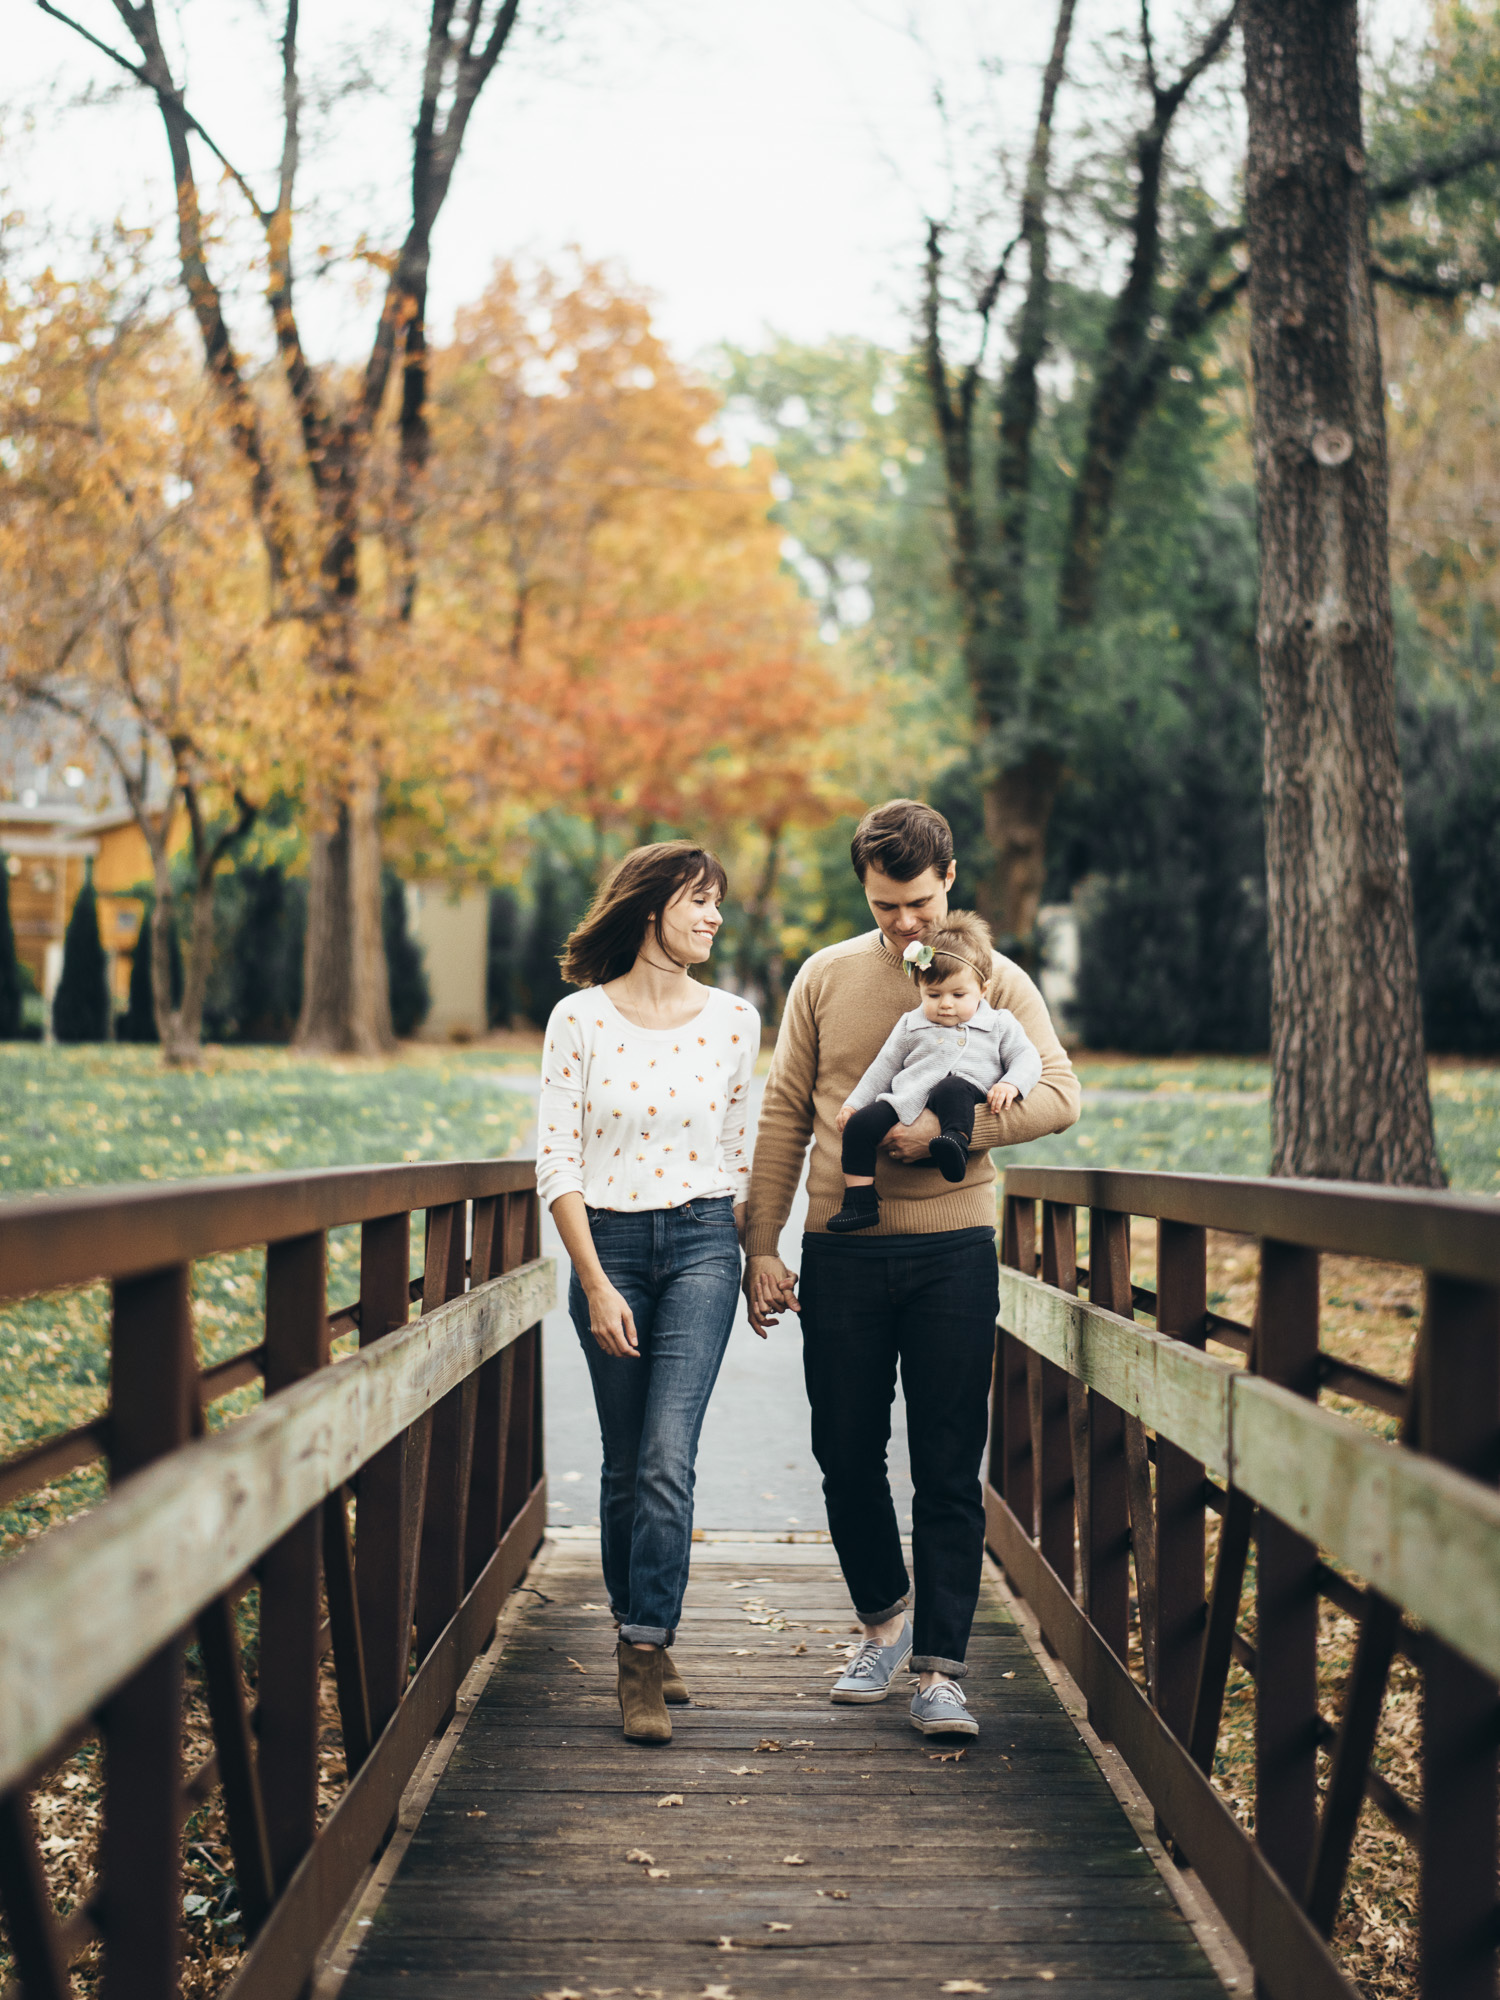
(1110, 1443)
(384, 1504)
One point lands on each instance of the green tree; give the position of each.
(1028, 561)
(411, 996)
(12, 987)
(81, 1005)
(138, 1024)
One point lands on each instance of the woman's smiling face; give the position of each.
(690, 922)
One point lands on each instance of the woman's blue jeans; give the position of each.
(678, 1269)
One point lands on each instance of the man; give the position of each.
(921, 1289)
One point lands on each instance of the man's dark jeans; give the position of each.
(928, 1303)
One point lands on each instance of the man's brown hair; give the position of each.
(963, 936)
(902, 839)
(627, 910)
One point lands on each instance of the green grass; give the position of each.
(79, 1117)
(1208, 1115)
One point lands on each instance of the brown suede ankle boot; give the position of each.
(673, 1687)
(642, 1709)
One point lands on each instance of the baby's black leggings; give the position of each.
(954, 1101)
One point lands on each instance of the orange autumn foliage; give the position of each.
(622, 638)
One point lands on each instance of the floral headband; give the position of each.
(918, 956)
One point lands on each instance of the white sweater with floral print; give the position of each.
(638, 1118)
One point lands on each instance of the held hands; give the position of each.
(611, 1324)
(1002, 1096)
(770, 1290)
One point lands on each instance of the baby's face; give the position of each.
(952, 1000)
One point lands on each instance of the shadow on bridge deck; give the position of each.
(851, 1858)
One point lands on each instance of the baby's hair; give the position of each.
(965, 937)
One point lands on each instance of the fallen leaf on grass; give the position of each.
(833, 1895)
(575, 1665)
(947, 1756)
(778, 1927)
(768, 1744)
(640, 1854)
(793, 1861)
(675, 1798)
(658, 1874)
(962, 1986)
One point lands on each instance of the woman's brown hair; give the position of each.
(628, 908)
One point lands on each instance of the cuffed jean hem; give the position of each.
(646, 1635)
(879, 1617)
(931, 1663)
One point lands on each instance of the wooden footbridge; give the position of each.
(332, 1582)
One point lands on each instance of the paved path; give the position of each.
(796, 1847)
(755, 1462)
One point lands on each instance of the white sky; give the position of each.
(761, 165)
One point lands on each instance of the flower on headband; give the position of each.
(916, 958)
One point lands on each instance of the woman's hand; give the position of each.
(1002, 1095)
(610, 1322)
(843, 1118)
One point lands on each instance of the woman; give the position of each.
(641, 1157)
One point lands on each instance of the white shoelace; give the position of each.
(865, 1662)
(947, 1690)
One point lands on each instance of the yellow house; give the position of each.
(48, 847)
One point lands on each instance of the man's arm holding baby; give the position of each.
(1052, 1103)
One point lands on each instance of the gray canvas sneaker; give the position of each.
(869, 1674)
(942, 1711)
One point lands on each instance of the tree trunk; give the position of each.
(1017, 808)
(1349, 1089)
(327, 955)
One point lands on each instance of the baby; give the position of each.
(950, 1054)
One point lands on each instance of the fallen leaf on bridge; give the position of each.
(575, 1665)
(962, 1986)
(947, 1757)
(768, 1744)
(640, 1854)
(793, 1861)
(675, 1798)
(778, 1927)
(728, 1944)
(833, 1895)
(658, 1874)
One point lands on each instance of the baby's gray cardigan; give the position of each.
(991, 1047)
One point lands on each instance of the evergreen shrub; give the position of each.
(81, 1005)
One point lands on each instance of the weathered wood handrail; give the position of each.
(431, 1436)
(1088, 1404)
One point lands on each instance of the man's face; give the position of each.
(907, 910)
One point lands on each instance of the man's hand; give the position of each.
(910, 1143)
(1002, 1096)
(770, 1290)
(843, 1118)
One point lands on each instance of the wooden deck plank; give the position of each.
(1014, 1866)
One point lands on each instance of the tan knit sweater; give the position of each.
(843, 1004)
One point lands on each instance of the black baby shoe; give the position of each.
(861, 1210)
